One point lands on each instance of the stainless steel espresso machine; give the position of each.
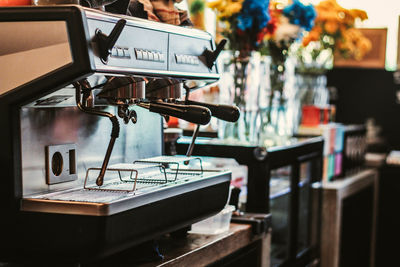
(81, 93)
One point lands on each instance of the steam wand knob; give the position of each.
(211, 56)
(106, 43)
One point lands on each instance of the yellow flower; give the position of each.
(226, 8)
(231, 9)
(215, 4)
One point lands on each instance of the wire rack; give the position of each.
(127, 177)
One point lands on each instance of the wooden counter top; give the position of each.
(196, 249)
(205, 249)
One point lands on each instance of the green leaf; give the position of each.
(196, 7)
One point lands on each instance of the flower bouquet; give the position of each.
(242, 23)
(334, 32)
(285, 28)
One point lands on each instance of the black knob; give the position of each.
(106, 43)
(211, 56)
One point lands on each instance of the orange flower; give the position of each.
(352, 34)
(363, 47)
(328, 4)
(346, 47)
(317, 29)
(334, 32)
(357, 13)
(331, 27)
(312, 36)
(324, 15)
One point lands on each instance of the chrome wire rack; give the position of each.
(126, 177)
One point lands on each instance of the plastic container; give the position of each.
(216, 224)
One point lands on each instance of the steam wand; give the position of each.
(114, 120)
(195, 133)
(222, 112)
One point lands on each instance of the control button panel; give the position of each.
(147, 55)
(120, 52)
(187, 59)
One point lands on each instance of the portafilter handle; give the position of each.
(222, 112)
(190, 113)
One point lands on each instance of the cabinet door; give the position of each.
(280, 211)
(305, 208)
(309, 207)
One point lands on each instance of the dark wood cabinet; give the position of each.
(348, 220)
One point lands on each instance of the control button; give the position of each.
(196, 61)
(191, 59)
(156, 56)
(178, 59)
(145, 55)
(161, 56)
(151, 56)
(120, 52)
(127, 53)
(139, 54)
(114, 52)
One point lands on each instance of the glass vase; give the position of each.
(239, 86)
(311, 90)
(276, 100)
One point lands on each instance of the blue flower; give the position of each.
(254, 14)
(300, 14)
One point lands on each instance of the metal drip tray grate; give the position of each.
(84, 195)
(127, 186)
(158, 170)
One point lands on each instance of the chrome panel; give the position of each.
(164, 89)
(41, 127)
(147, 24)
(123, 88)
(107, 70)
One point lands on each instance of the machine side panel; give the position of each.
(21, 57)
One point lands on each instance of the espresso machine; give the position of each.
(81, 94)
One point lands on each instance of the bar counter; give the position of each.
(236, 247)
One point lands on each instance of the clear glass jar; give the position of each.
(311, 90)
(277, 100)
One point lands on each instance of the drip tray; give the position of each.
(113, 197)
